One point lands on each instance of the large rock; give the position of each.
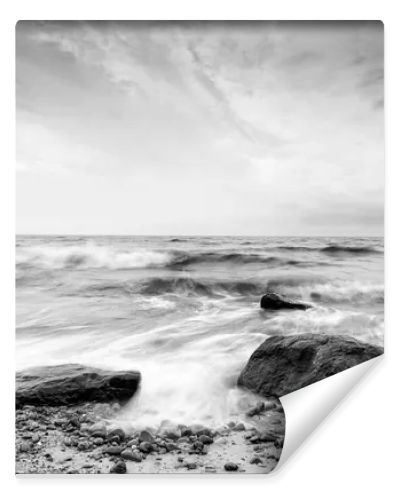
(73, 384)
(283, 364)
(274, 302)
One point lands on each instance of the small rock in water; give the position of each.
(256, 460)
(239, 427)
(83, 445)
(230, 467)
(118, 468)
(98, 441)
(146, 436)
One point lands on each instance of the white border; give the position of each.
(355, 452)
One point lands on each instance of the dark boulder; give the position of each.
(73, 384)
(274, 302)
(283, 364)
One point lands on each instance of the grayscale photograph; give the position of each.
(199, 233)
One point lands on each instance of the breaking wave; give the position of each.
(332, 292)
(93, 256)
(189, 286)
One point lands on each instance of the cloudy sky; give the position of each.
(200, 128)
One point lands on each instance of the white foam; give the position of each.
(91, 255)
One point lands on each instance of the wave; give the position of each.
(94, 256)
(331, 249)
(90, 256)
(189, 286)
(210, 258)
(335, 249)
(329, 293)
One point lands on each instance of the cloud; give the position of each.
(262, 116)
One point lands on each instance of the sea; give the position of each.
(185, 310)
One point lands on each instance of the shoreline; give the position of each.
(85, 439)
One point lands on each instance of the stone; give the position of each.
(239, 427)
(113, 450)
(274, 302)
(24, 447)
(190, 465)
(231, 467)
(35, 438)
(117, 432)
(98, 430)
(118, 468)
(146, 436)
(83, 445)
(172, 433)
(171, 447)
(73, 384)
(98, 441)
(256, 460)
(136, 456)
(283, 364)
(205, 439)
(127, 454)
(256, 410)
(145, 447)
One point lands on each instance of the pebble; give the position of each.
(256, 410)
(24, 447)
(136, 456)
(145, 446)
(190, 465)
(118, 468)
(35, 438)
(127, 454)
(171, 447)
(267, 437)
(172, 434)
(256, 460)
(98, 441)
(239, 427)
(146, 436)
(230, 467)
(205, 439)
(98, 430)
(117, 432)
(113, 450)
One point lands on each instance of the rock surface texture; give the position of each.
(73, 384)
(283, 364)
(275, 302)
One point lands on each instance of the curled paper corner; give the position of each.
(306, 408)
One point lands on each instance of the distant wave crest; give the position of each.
(93, 256)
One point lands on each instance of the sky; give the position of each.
(209, 128)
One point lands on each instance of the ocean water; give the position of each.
(185, 310)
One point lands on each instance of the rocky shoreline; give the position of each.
(84, 439)
(70, 418)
